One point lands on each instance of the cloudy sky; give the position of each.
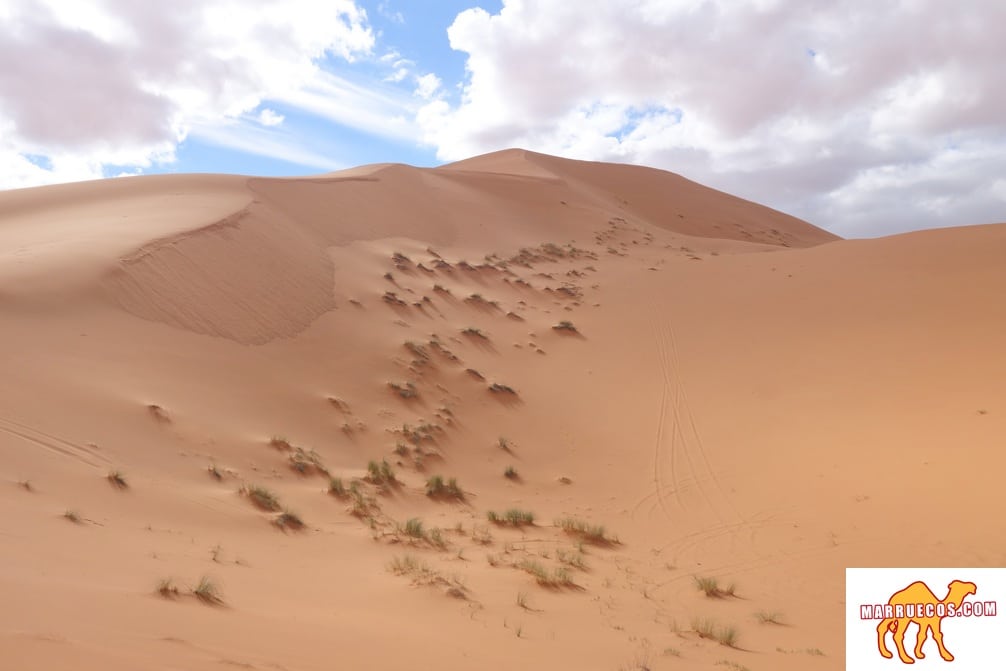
(866, 117)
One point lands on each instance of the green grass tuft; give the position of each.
(208, 592)
(263, 498)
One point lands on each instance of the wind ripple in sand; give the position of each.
(251, 277)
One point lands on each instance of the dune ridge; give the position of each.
(510, 412)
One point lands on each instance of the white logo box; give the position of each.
(974, 633)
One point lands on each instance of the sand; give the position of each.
(737, 395)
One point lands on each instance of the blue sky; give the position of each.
(865, 118)
(413, 30)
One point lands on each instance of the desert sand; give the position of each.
(678, 385)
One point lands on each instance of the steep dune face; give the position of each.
(670, 401)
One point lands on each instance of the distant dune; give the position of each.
(505, 413)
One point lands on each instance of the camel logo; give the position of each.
(911, 622)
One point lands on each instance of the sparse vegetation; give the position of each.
(167, 588)
(307, 462)
(592, 533)
(337, 488)
(214, 472)
(289, 520)
(407, 390)
(522, 600)
(558, 577)
(208, 592)
(437, 488)
(707, 628)
(280, 443)
(513, 517)
(117, 479)
(414, 528)
(712, 589)
(262, 498)
(503, 444)
(392, 298)
(573, 559)
(380, 473)
(565, 326)
(768, 617)
(73, 516)
(498, 388)
(510, 473)
(474, 333)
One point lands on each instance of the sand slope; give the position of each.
(744, 397)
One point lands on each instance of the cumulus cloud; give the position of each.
(864, 117)
(427, 86)
(117, 82)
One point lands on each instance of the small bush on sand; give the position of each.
(380, 473)
(438, 488)
(117, 479)
(711, 587)
(262, 498)
(592, 533)
(208, 591)
(513, 517)
(167, 588)
(289, 520)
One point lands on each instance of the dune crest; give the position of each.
(513, 412)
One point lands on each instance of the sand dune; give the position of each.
(730, 392)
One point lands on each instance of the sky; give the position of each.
(864, 117)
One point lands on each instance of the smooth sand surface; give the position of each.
(745, 397)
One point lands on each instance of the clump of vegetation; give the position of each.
(280, 443)
(214, 472)
(413, 528)
(707, 628)
(407, 390)
(592, 533)
(307, 462)
(558, 577)
(514, 517)
(475, 374)
(117, 479)
(438, 488)
(289, 520)
(565, 326)
(208, 592)
(712, 589)
(498, 388)
(337, 488)
(392, 298)
(511, 473)
(25, 485)
(167, 588)
(262, 498)
(417, 350)
(73, 516)
(474, 333)
(574, 559)
(380, 473)
(503, 443)
(766, 617)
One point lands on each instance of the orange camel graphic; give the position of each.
(918, 599)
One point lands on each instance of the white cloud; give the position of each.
(268, 117)
(845, 113)
(427, 86)
(116, 82)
